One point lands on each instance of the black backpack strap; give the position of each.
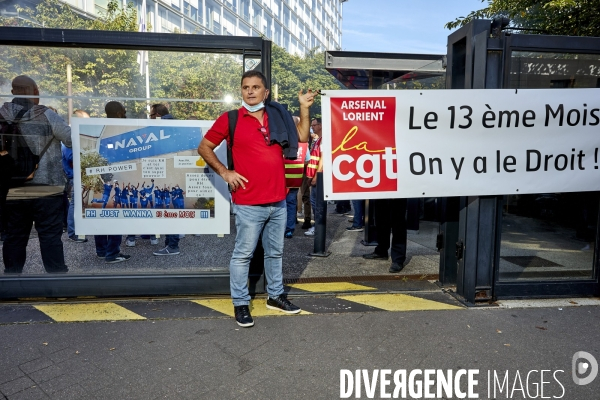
(20, 115)
(45, 148)
(233, 116)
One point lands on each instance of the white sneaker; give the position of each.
(153, 241)
(310, 232)
(130, 243)
(300, 215)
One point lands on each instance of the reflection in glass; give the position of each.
(550, 236)
(192, 85)
(432, 75)
(537, 70)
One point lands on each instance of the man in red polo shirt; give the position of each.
(263, 137)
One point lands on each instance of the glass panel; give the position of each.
(550, 236)
(537, 70)
(432, 75)
(195, 87)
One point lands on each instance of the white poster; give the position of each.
(441, 143)
(136, 176)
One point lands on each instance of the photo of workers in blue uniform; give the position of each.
(117, 196)
(134, 196)
(158, 198)
(105, 195)
(148, 194)
(167, 196)
(178, 197)
(125, 196)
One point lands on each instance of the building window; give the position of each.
(245, 10)
(256, 17)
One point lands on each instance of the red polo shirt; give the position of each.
(261, 165)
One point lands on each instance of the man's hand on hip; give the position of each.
(234, 180)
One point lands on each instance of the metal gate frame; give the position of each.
(479, 56)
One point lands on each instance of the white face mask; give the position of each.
(253, 108)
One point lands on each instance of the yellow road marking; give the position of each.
(330, 287)
(88, 312)
(258, 307)
(398, 302)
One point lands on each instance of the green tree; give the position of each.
(292, 73)
(97, 73)
(102, 73)
(91, 182)
(555, 17)
(198, 76)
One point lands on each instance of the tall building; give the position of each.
(297, 25)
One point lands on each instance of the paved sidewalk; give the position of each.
(296, 357)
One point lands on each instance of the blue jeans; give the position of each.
(250, 221)
(71, 212)
(291, 202)
(359, 213)
(172, 241)
(313, 203)
(108, 246)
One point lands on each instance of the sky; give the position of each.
(401, 26)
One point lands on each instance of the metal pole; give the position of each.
(320, 220)
(70, 91)
(147, 61)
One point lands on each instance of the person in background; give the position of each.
(39, 201)
(390, 217)
(314, 165)
(67, 161)
(109, 246)
(134, 195)
(305, 188)
(293, 181)
(358, 221)
(342, 207)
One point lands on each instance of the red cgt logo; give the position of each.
(363, 144)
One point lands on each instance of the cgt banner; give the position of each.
(439, 143)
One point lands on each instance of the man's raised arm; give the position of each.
(306, 100)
